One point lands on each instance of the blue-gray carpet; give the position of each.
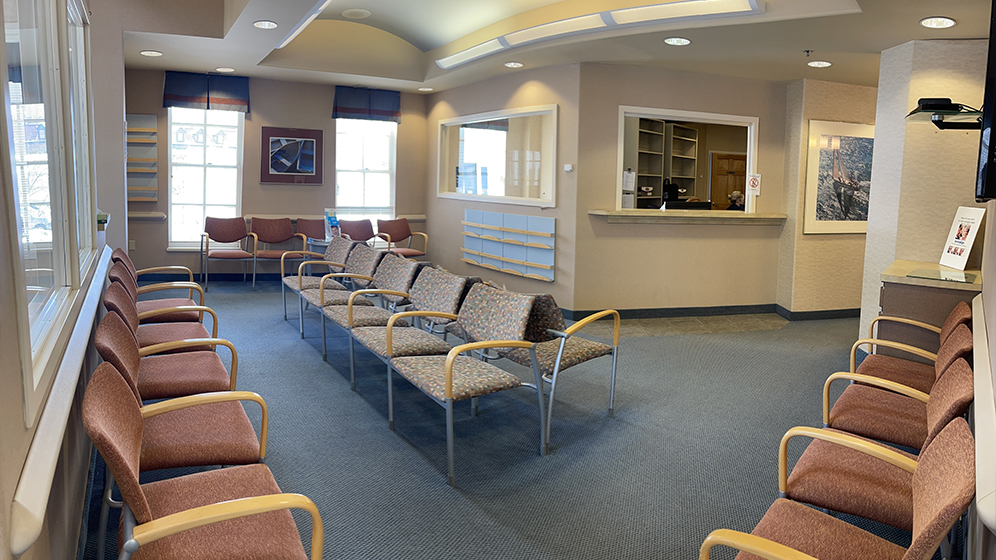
(692, 447)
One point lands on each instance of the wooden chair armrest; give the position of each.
(352, 296)
(592, 318)
(300, 268)
(425, 240)
(398, 316)
(223, 511)
(904, 320)
(173, 286)
(752, 544)
(868, 380)
(304, 241)
(890, 344)
(457, 350)
(255, 242)
(321, 284)
(847, 440)
(168, 269)
(385, 237)
(283, 270)
(163, 311)
(150, 410)
(193, 343)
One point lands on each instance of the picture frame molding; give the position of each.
(819, 128)
(269, 132)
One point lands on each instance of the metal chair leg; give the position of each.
(352, 369)
(105, 505)
(254, 274)
(283, 296)
(451, 473)
(206, 262)
(473, 407)
(544, 438)
(300, 313)
(612, 381)
(245, 270)
(390, 398)
(553, 390)
(325, 354)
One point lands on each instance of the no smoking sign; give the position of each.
(754, 184)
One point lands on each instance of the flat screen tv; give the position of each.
(985, 186)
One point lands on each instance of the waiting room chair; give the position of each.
(311, 228)
(357, 230)
(182, 517)
(335, 256)
(119, 255)
(181, 309)
(943, 483)
(398, 231)
(358, 272)
(118, 300)
(274, 230)
(226, 230)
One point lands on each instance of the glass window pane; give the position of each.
(187, 144)
(228, 118)
(187, 184)
(186, 222)
(181, 115)
(376, 153)
(349, 189)
(221, 211)
(378, 190)
(222, 185)
(80, 133)
(222, 145)
(348, 152)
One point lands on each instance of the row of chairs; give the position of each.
(160, 351)
(420, 306)
(271, 231)
(895, 448)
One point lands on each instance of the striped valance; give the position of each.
(206, 91)
(366, 104)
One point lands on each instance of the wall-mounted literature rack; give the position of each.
(510, 243)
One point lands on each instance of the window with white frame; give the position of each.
(365, 154)
(205, 170)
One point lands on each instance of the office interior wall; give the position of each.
(818, 272)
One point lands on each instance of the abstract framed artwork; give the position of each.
(291, 155)
(838, 177)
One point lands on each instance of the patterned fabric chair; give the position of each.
(167, 310)
(917, 375)
(187, 509)
(226, 230)
(359, 269)
(943, 485)
(397, 231)
(357, 230)
(118, 300)
(556, 348)
(278, 230)
(852, 480)
(496, 319)
(334, 258)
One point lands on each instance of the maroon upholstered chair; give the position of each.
(397, 231)
(166, 310)
(274, 230)
(311, 228)
(357, 230)
(121, 256)
(943, 485)
(188, 509)
(164, 336)
(226, 230)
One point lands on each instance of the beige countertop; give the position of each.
(698, 217)
(897, 273)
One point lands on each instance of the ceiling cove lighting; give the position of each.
(265, 24)
(310, 17)
(150, 53)
(937, 22)
(685, 9)
(819, 64)
(513, 64)
(677, 41)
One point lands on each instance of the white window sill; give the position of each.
(542, 203)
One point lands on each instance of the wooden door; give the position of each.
(729, 173)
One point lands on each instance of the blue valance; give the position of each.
(366, 104)
(206, 91)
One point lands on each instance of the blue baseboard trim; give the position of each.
(676, 312)
(817, 315)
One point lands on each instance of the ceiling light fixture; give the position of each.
(677, 41)
(550, 30)
(310, 17)
(224, 70)
(937, 22)
(356, 13)
(687, 9)
(265, 24)
(466, 55)
(514, 65)
(425, 89)
(819, 64)
(150, 53)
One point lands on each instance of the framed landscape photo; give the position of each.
(291, 155)
(838, 177)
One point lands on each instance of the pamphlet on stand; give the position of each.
(961, 237)
(331, 224)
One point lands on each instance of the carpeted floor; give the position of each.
(692, 447)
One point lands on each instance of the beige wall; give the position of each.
(649, 265)
(311, 108)
(818, 272)
(554, 85)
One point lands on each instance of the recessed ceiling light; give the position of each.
(150, 53)
(224, 69)
(425, 89)
(265, 24)
(677, 41)
(819, 64)
(514, 65)
(356, 13)
(937, 22)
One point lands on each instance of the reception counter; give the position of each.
(698, 217)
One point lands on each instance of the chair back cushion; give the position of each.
(490, 313)
(118, 346)
(437, 290)
(958, 345)
(272, 230)
(943, 486)
(395, 273)
(960, 315)
(315, 229)
(225, 230)
(357, 230)
(121, 256)
(949, 397)
(117, 299)
(338, 251)
(544, 315)
(119, 273)
(399, 230)
(363, 259)
(114, 423)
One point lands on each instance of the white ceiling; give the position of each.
(398, 45)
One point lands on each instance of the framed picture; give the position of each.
(291, 155)
(838, 177)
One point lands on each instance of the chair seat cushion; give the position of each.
(363, 316)
(176, 317)
(819, 535)
(407, 252)
(311, 283)
(882, 415)
(229, 254)
(835, 477)
(471, 377)
(271, 535)
(168, 332)
(206, 434)
(333, 297)
(404, 342)
(276, 254)
(912, 374)
(576, 351)
(183, 373)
